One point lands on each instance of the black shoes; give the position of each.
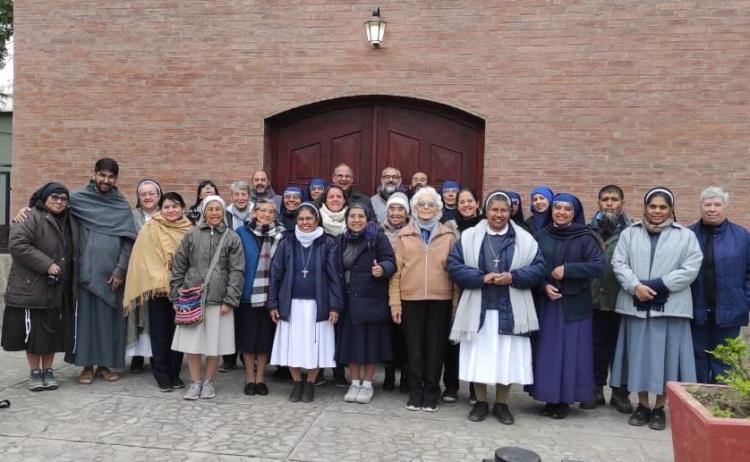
(641, 416)
(501, 411)
(389, 383)
(250, 389)
(177, 383)
(136, 365)
(479, 411)
(597, 401)
(403, 383)
(282, 373)
(450, 396)
(620, 400)
(261, 389)
(308, 392)
(339, 377)
(547, 410)
(554, 411)
(296, 395)
(560, 412)
(658, 419)
(228, 366)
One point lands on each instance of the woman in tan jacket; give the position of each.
(422, 296)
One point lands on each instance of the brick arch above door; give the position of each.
(373, 132)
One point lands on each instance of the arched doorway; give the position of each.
(372, 132)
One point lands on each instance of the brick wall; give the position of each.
(575, 94)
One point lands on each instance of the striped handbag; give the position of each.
(191, 302)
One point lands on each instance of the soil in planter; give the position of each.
(721, 402)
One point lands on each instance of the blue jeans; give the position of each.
(707, 337)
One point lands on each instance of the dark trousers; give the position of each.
(606, 326)
(166, 364)
(707, 337)
(426, 325)
(398, 346)
(450, 366)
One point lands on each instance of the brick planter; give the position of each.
(697, 436)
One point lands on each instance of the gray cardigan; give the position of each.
(677, 261)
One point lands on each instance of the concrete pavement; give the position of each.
(131, 420)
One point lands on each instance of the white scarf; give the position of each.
(333, 222)
(466, 323)
(306, 239)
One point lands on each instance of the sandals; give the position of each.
(87, 376)
(107, 375)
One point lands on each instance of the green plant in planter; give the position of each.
(733, 353)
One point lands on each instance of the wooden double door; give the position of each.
(371, 133)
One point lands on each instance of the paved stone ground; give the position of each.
(131, 420)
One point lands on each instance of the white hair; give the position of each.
(240, 186)
(427, 191)
(711, 192)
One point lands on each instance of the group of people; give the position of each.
(434, 283)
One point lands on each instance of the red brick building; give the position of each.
(572, 94)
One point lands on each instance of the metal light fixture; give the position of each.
(375, 29)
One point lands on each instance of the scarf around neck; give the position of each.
(241, 215)
(656, 229)
(334, 223)
(149, 268)
(105, 213)
(268, 238)
(468, 314)
(306, 239)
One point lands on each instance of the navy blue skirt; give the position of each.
(253, 329)
(362, 343)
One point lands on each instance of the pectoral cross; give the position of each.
(497, 260)
(304, 272)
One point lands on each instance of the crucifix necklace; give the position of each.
(305, 262)
(494, 254)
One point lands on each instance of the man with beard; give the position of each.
(262, 189)
(106, 239)
(418, 180)
(390, 182)
(343, 177)
(607, 225)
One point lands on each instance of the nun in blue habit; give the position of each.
(563, 359)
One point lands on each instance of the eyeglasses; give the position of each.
(266, 211)
(58, 198)
(317, 188)
(148, 194)
(391, 177)
(339, 175)
(426, 204)
(450, 190)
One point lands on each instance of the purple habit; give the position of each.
(563, 357)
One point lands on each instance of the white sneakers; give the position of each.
(351, 394)
(359, 393)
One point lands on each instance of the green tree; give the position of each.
(6, 28)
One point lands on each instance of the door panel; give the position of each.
(312, 146)
(446, 149)
(370, 133)
(402, 153)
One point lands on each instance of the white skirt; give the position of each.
(142, 347)
(212, 337)
(303, 342)
(495, 358)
